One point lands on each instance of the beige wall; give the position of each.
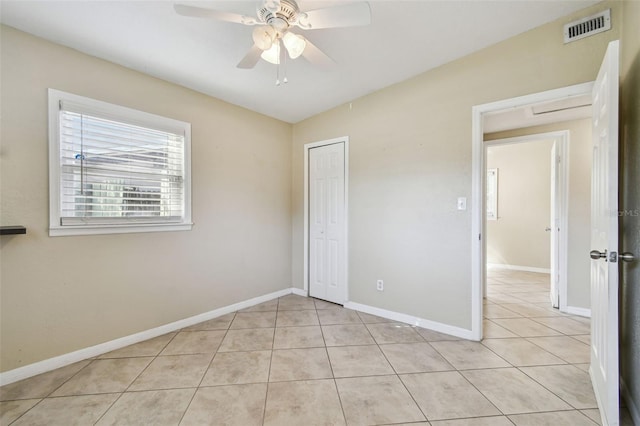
(518, 236)
(410, 158)
(66, 293)
(630, 206)
(579, 203)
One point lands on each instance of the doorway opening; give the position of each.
(569, 98)
(526, 223)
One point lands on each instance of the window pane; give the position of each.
(119, 170)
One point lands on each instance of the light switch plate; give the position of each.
(462, 203)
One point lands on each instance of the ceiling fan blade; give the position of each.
(348, 15)
(251, 58)
(200, 12)
(317, 57)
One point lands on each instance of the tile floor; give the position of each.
(300, 361)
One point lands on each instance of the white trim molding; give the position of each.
(631, 406)
(46, 365)
(410, 319)
(518, 268)
(581, 312)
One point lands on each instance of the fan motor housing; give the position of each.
(280, 19)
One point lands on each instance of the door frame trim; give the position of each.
(478, 180)
(561, 139)
(307, 147)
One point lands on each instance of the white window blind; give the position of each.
(116, 169)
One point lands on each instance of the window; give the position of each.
(492, 194)
(114, 169)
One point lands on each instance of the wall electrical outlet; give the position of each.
(380, 285)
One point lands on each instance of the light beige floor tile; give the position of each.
(565, 325)
(104, 376)
(455, 396)
(338, 316)
(414, 358)
(256, 339)
(235, 368)
(491, 330)
(241, 405)
(566, 381)
(524, 327)
(498, 311)
(434, 336)
(502, 298)
(584, 338)
(463, 355)
(346, 335)
(41, 385)
(194, 342)
(520, 352)
(514, 392)
(151, 347)
(293, 302)
(220, 323)
(322, 304)
(377, 400)
(478, 421)
(351, 361)
(565, 347)
(529, 310)
(157, 408)
(254, 320)
(557, 418)
(593, 414)
(583, 367)
(297, 318)
(584, 320)
(394, 332)
(300, 364)
(11, 410)
(172, 372)
(306, 403)
(271, 305)
(67, 411)
(372, 319)
(298, 337)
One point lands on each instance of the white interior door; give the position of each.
(604, 239)
(554, 222)
(327, 278)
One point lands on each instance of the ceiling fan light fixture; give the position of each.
(272, 55)
(263, 37)
(295, 44)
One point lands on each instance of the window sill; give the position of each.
(61, 231)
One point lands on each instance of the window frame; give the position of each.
(125, 115)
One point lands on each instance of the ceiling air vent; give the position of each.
(588, 26)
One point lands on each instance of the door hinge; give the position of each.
(479, 237)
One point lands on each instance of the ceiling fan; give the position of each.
(276, 18)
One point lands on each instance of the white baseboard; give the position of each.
(518, 268)
(582, 312)
(299, 291)
(409, 319)
(102, 348)
(631, 406)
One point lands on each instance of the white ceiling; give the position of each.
(406, 38)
